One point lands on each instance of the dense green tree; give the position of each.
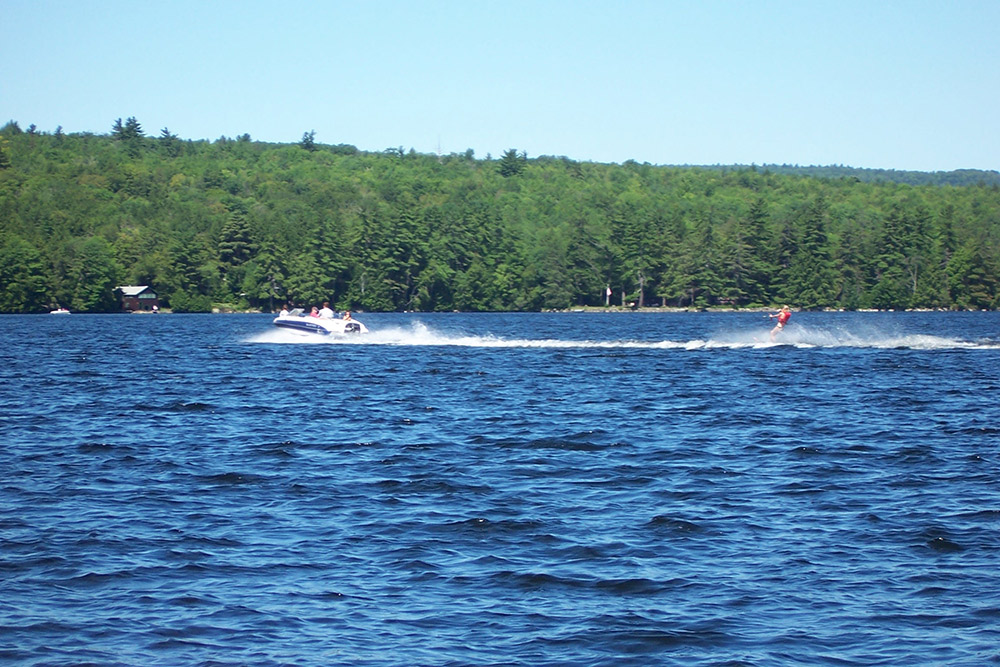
(588, 276)
(170, 144)
(4, 160)
(133, 130)
(236, 244)
(512, 163)
(192, 269)
(307, 280)
(22, 277)
(129, 134)
(692, 275)
(92, 275)
(748, 259)
(236, 247)
(811, 281)
(973, 282)
(254, 224)
(308, 141)
(185, 302)
(264, 279)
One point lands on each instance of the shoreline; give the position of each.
(646, 309)
(672, 309)
(575, 309)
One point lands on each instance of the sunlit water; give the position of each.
(528, 489)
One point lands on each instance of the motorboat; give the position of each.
(322, 326)
(59, 311)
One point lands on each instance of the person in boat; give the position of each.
(347, 315)
(314, 312)
(325, 311)
(284, 311)
(783, 315)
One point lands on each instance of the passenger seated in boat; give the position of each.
(314, 312)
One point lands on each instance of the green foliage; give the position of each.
(959, 177)
(185, 302)
(4, 160)
(129, 134)
(512, 163)
(308, 140)
(22, 275)
(91, 276)
(973, 278)
(244, 222)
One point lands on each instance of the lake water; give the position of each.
(501, 489)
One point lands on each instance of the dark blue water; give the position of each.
(531, 489)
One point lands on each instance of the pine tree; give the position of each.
(512, 163)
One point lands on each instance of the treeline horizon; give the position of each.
(253, 225)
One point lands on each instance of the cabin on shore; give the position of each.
(138, 298)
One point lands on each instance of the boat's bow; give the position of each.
(321, 326)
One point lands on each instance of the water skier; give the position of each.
(783, 315)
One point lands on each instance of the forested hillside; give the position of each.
(959, 177)
(252, 225)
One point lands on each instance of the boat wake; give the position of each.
(802, 337)
(813, 337)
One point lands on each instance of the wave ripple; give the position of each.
(501, 489)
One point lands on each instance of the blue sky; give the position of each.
(895, 85)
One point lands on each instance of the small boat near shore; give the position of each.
(295, 320)
(59, 311)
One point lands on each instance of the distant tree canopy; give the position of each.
(253, 225)
(512, 163)
(308, 140)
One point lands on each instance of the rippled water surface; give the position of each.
(527, 489)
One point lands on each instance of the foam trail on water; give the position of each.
(802, 336)
(419, 334)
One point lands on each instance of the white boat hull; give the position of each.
(320, 326)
